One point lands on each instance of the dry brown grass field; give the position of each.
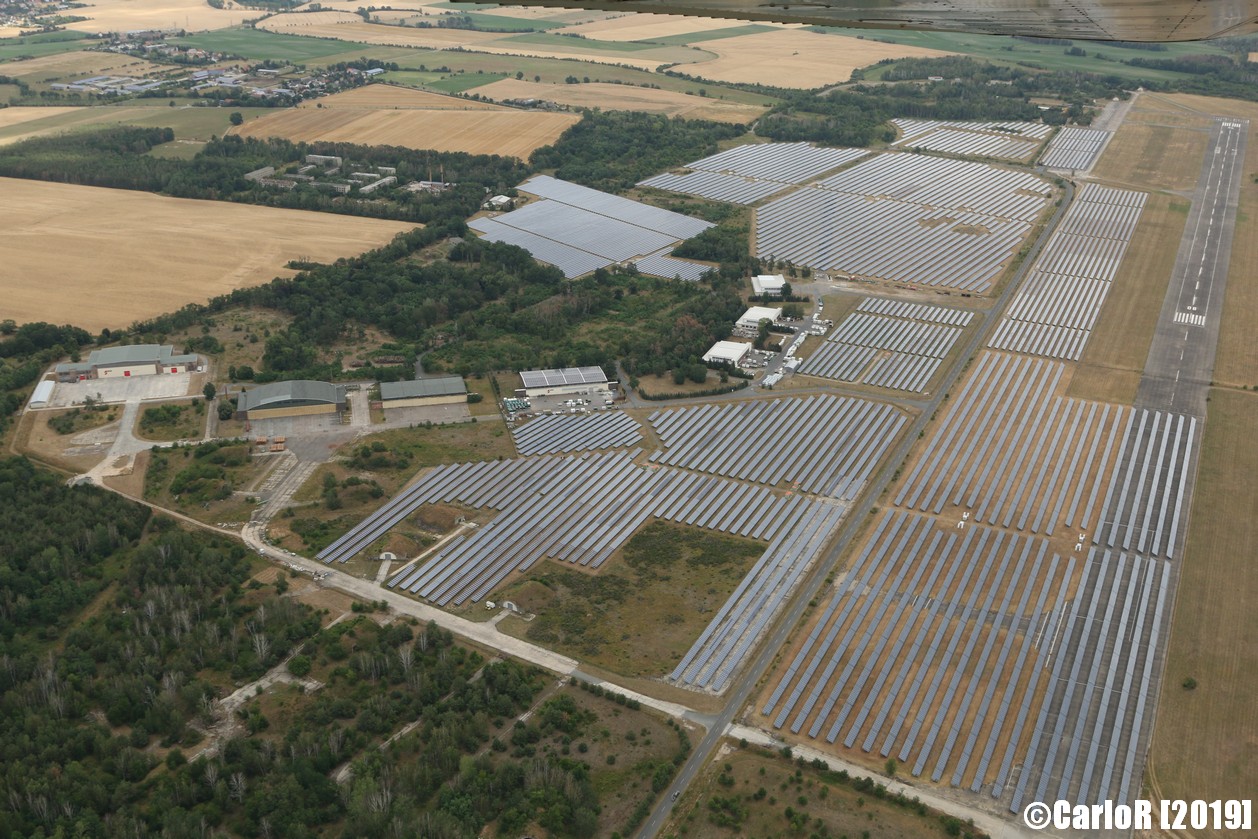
(1154, 156)
(70, 65)
(392, 97)
(17, 116)
(506, 132)
(623, 97)
(1205, 743)
(191, 15)
(796, 58)
(645, 27)
(1114, 358)
(106, 257)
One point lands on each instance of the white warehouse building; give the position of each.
(569, 380)
(768, 285)
(752, 317)
(726, 352)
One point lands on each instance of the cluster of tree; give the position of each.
(613, 150)
(948, 67)
(118, 157)
(1208, 75)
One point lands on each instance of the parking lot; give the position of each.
(128, 389)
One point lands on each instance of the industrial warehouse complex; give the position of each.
(438, 390)
(123, 362)
(290, 399)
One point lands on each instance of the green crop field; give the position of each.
(33, 46)
(713, 35)
(1007, 50)
(259, 44)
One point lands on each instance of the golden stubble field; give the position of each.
(646, 27)
(128, 15)
(393, 97)
(72, 65)
(106, 257)
(796, 58)
(415, 120)
(623, 97)
(17, 116)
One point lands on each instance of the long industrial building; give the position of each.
(124, 362)
(568, 381)
(437, 390)
(290, 399)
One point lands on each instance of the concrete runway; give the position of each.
(1181, 358)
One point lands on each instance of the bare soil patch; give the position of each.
(796, 58)
(107, 257)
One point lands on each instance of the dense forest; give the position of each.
(119, 633)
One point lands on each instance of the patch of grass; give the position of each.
(1203, 744)
(81, 419)
(643, 609)
(202, 480)
(752, 792)
(713, 35)
(172, 421)
(1114, 358)
(459, 82)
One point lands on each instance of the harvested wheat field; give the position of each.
(796, 58)
(645, 27)
(128, 15)
(70, 65)
(623, 97)
(391, 97)
(297, 20)
(506, 132)
(13, 31)
(106, 257)
(19, 115)
(358, 31)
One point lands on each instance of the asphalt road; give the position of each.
(751, 674)
(1181, 359)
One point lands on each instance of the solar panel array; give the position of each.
(888, 343)
(729, 636)
(910, 128)
(929, 649)
(1074, 148)
(746, 174)
(906, 218)
(579, 230)
(663, 265)
(1005, 140)
(1056, 308)
(828, 445)
(581, 510)
(1012, 453)
(1088, 741)
(1143, 507)
(949, 184)
(567, 433)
